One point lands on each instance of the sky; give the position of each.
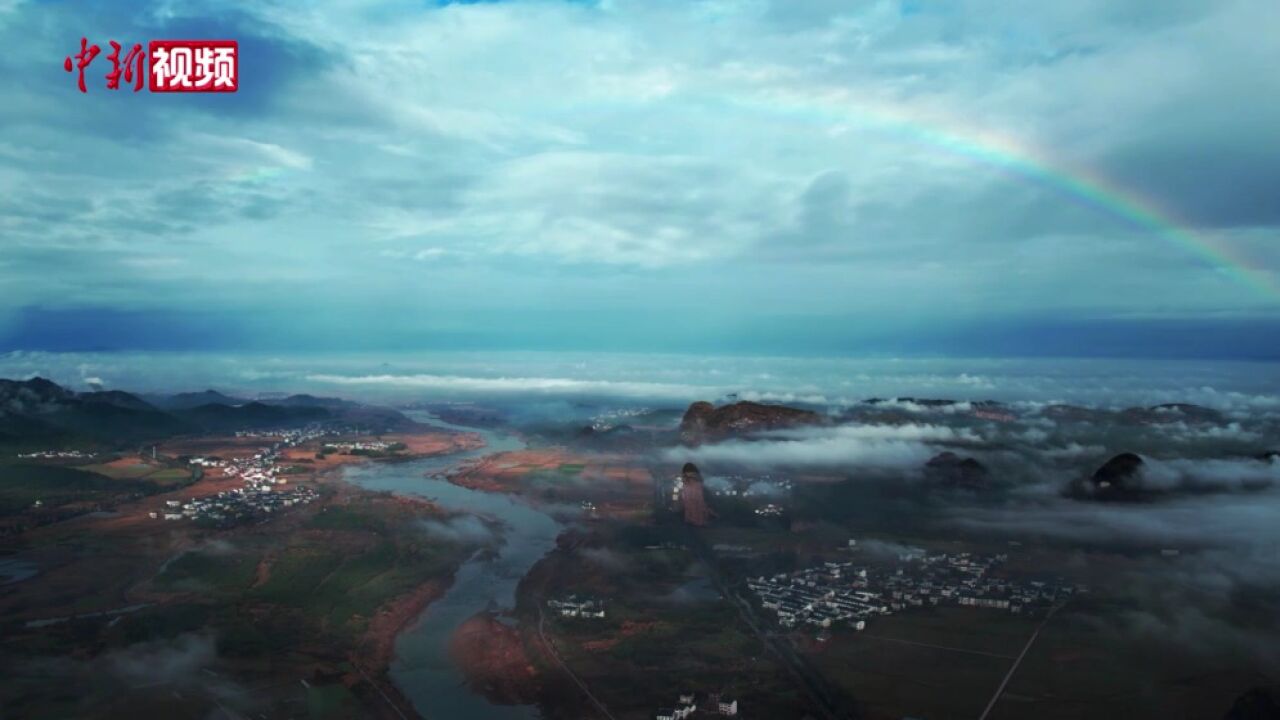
(980, 177)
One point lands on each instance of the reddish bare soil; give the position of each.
(493, 658)
(612, 483)
(377, 647)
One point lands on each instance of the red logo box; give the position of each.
(194, 65)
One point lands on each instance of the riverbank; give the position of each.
(493, 658)
(298, 611)
(601, 485)
(423, 667)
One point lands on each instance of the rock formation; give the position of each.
(693, 499)
(705, 422)
(951, 470)
(1119, 478)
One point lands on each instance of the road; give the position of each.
(555, 655)
(812, 682)
(1009, 675)
(382, 692)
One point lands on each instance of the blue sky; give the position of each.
(643, 176)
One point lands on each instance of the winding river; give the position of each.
(422, 669)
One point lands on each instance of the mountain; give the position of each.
(1119, 478)
(1076, 413)
(310, 401)
(118, 399)
(251, 416)
(1119, 470)
(951, 470)
(1170, 413)
(38, 410)
(1258, 703)
(41, 412)
(705, 422)
(30, 396)
(188, 400)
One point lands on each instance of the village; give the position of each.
(573, 606)
(838, 592)
(687, 705)
(261, 494)
(57, 455)
(237, 506)
(358, 447)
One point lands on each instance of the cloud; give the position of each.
(1241, 520)
(1210, 474)
(844, 176)
(1072, 451)
(501, 385)
(605, 559)
(1231, 432)
(177, 661)
(886, 550)
(847, 447)
(464, 529)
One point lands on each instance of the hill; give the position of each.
(39, 412)
(188, 400)
(704, 422)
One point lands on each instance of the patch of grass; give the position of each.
(22, 485)
(342, 517)
(169, 477)
(331, 701)
(131, 471)
(222, 573)
(363, 583)
(296, 574)
(154, 623)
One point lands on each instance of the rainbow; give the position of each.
(254, 174)
(1008, 155)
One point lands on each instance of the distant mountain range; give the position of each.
(39, 411)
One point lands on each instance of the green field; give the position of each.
(343, 517)
(22, 485)
(217, 572)
(132, 471)
(657, 639)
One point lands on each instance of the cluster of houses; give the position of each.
(295, 436)
(57, 455)
(769, 510)
(359, 446)
(238, 505)
(260, 496)
(687, 705)
(258, 470)
(573, 606)
(604, 422)
(840, 592)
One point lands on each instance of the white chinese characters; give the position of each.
(194, 66)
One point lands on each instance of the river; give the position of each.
(422, 669)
